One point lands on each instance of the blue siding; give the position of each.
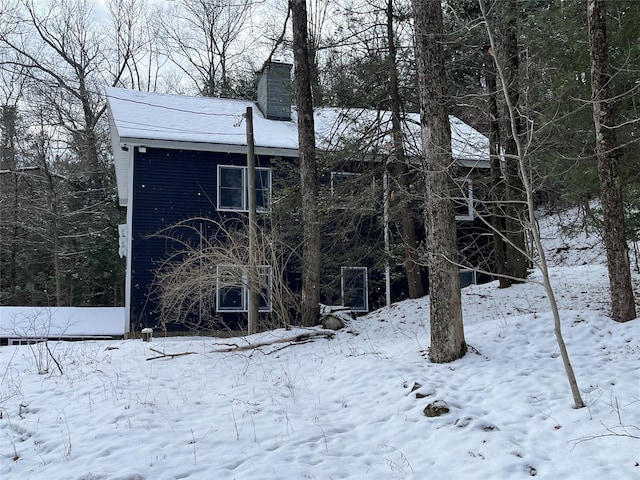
(169, 186)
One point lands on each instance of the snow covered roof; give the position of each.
(337, 126)
(216, 124)
(178, 118)
(61, 322)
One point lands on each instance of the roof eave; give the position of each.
(473, 162)
(207, 147)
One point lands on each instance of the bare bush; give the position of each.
(211, 256)
(35, 328)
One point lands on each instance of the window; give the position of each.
(467, 277)
(231, 188)
(263, 189)
(463, 199)
(232, 293)
(342, 184)
(352, 190)
(355, 289)
(233, 192)
(231, 284)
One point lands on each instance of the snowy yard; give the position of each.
(350, 407)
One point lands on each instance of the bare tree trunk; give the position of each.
(310, 305)
(317, 16)
(497, 181)
(8, 120)
(400, 170)
(53, 214)
(447, 332)
(622, 301)
(507, 51)
(55, 237)
(14, 244)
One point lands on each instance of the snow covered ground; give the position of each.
(350, 407)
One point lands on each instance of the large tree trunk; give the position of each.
(310, 305)
(400, 170)
(447, 332)
(622, 301)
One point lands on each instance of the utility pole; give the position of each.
(252, 279)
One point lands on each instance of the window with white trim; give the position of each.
(354, 288)
(233, 194)
(232, 292)
(463, 199)
(342, 184)
(351, 190)
(467, 277)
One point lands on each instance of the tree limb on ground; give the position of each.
(300, 338)
(229, 347)
(168, 355)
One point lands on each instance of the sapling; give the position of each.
(531, 222)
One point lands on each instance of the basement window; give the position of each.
(354, 285)
(233, 194)
(463, 199)
(232, 292)
(467, 277)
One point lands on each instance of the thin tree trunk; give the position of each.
(88, 141)
(497, 181)
(400, 170)
(14, 244)
(52, 197)
(8, 120)
(447, 332)
(516, 261)
(310, 305)
(622, 301)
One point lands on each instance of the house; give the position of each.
(182, 174)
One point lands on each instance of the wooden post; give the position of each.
(147, 334)
(252, 279)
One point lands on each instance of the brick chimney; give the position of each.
(274, 90)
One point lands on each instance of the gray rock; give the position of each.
(332, 322)
(436, 409)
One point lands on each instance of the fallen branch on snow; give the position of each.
(168, 355)
(295, 339)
